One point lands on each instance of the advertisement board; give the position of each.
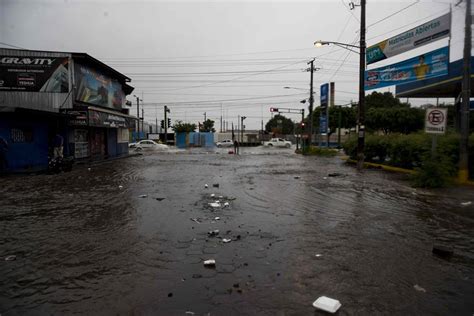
(421, 35)
(97, 89)
(323, 124)
(324, 95)
(102, 119)
(435, 121)
(34, 74)
(426, 66)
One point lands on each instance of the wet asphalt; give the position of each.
(89, 242)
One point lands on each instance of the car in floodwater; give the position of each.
(147, 144)
(277, 142)
(225, 143)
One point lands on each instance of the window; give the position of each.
(22, 135)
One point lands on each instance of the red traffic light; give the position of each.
(273, 109)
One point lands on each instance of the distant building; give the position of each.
(45, 93)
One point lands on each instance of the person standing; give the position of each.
(3, 154)
(236, 147)
(58, 146)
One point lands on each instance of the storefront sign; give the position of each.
(102, 119)
(421, 35)
(324, 95)
(35, 74)
(77, 118)
(426, 66)
(98, 89)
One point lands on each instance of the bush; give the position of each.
(434, 172)
(413, 151)
(320, 151)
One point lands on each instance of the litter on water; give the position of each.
(143, 196)
(325, 178)
(466, 203)
(10, 258)
(419, 288)
(226, 204)
(210, 263)
(206, 186)
(215, 185)
(120, 186)
(217, 218)
(215, 204)
(213, 232)
(327, 304)
(213, 195)
(195, 220)
(318, 255)
(226, 240)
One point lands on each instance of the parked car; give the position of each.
(147, 144)
(225, 143)
(277, 142)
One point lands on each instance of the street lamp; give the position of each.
(361, 105)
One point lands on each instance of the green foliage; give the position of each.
(395, 120)
(348, 117)
(207, 126)
(180, 127)
(434, 172)
(280, 123)
(320, 151)
(413, 151)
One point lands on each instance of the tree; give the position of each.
(207, 126)
(180, 127)
(383, 100)
(280, 124)
(348, 117)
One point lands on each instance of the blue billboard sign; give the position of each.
(323, 124)
(324, 95)
(425, 66)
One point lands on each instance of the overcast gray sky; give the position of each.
(229, 57)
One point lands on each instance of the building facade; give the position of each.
(45, 94)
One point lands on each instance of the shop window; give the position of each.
(22, 135)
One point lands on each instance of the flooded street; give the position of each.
(87, 242)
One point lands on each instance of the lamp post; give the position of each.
(361, 105)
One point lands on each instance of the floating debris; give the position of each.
(318, 255)
(419, 288)
(334, 174)
(10, 258)
(206, 186)
(297, 177)
(170, 294)
(120, 186)
(325, 178)
(143, 196)
(160, 199)
(89, 169)
(466, 203)
(217, 218)
(215, 204)
(213, 233)
(195, 220)
(226, 240)
(210, 263)
(215, 185)
(226, 204)
(327, 304)
(189, 313)
(213, 195)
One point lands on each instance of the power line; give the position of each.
(393, 14)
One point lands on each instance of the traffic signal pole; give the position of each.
(361, 106)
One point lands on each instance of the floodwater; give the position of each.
(86, 242)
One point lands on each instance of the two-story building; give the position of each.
(44, 93)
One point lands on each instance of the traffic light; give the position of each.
(169, 122)
(162, 123)
(302, 126)
(273, 109)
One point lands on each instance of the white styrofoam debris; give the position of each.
(327, 304)
(217, 218)
(215, 204)
(226, 240)
(419, 288)
(466, 203)
(213, 195)
(210, 263)
(226, 204)
(143, 196)
(206, 186)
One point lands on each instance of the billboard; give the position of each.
(34, 74)
(425, 66)
(416, 37)
(98, 89)
(324, 95)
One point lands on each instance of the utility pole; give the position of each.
(361, 106)
(138, 117)
(166, 110)
(143, 120)
(311, 103)
(238, 127)
(205, 118)
(242, 128)
(463, 173)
